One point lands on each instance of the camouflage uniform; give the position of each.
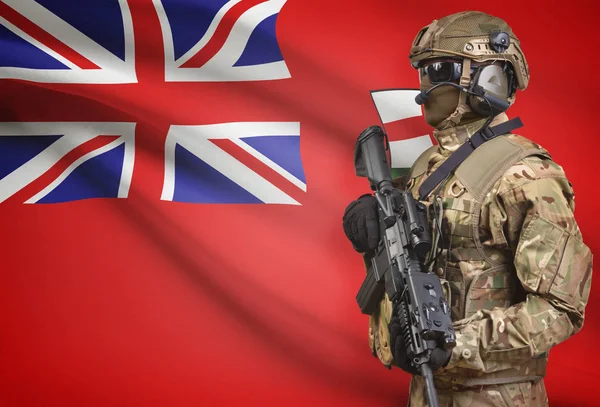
(518, 275)
(515, 270)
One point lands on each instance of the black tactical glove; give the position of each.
(361, 224)
(439, 357)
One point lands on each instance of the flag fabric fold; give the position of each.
(173, 174)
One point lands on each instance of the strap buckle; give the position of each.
(481, 136)
(487, 134)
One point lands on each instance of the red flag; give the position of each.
(171, 295)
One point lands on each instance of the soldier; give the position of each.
(511, 254)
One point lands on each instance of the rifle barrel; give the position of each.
(430, 391)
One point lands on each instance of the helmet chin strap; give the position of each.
(465, 80)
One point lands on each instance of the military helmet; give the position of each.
(474, 35)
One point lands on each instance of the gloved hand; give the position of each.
(361, 224)
(439, 357)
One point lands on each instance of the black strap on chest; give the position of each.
(456, 158)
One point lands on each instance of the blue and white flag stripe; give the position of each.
(224, 178)
(64, 138)
(111, 26)
(246, 55)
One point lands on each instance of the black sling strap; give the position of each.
(456, 158)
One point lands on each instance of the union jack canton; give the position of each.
(92, 42)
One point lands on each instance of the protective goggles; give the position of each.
(443, 71)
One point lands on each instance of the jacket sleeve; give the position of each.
(552, 264)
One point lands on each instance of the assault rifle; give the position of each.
(397, 263)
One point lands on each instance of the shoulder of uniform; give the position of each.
(536, 166)
(420, 165)
(524, 142)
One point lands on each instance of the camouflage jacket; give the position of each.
(517, 270)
